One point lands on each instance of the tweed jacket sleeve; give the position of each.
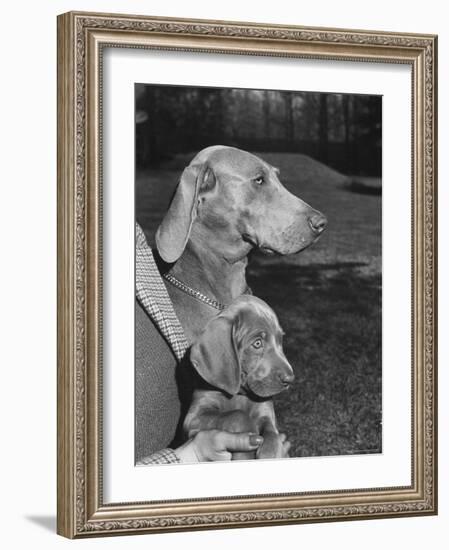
(152, 294)
(165, 456)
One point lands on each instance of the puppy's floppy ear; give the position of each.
(215, 356)
(173, 233)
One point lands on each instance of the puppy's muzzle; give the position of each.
(286, 378)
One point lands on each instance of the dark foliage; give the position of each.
(341, 130)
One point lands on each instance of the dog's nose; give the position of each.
(318, 222)
(287, 377)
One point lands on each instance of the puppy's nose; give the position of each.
(318, 222)
(287, 377)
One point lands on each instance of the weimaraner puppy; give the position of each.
(241, 364)
(227, 203)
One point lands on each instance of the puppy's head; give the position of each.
(241, 348)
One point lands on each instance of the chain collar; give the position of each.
(196, 293)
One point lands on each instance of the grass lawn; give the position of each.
(328, 299)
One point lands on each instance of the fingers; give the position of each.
(216, 445)
(222, 456)
(234, 442)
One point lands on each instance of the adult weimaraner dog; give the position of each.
(227, 203)
(241, 364)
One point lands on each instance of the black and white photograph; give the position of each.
(247, 284)
(258, 274)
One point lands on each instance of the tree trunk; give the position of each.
(266, 113)
(323, 129)
(289, 120)
(346, 128)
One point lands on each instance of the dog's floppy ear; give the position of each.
(173, 233)
(215, 356)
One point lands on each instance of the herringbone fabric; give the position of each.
(165, 456)
(152, 294)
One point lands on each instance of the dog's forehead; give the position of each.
(231, 158)
(256, 314)
(261, 320)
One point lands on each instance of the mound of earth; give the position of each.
(297, 168)
(302, 170)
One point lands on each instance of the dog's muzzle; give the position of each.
(318, 223)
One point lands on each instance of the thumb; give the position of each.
(234, 442)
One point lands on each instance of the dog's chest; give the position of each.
(192, 314)
(238, 403)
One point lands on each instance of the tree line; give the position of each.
(341, 130)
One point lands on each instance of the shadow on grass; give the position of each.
(372, 187)
(331, 314)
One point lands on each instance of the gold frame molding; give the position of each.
(81, 38)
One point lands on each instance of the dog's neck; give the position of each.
(206, 269)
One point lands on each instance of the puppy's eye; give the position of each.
(258, 343)
(259, 180)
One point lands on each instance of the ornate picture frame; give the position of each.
(82, 40)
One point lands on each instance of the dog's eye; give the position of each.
(259, 180)
(258, 343)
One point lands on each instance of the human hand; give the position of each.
(217, 445)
